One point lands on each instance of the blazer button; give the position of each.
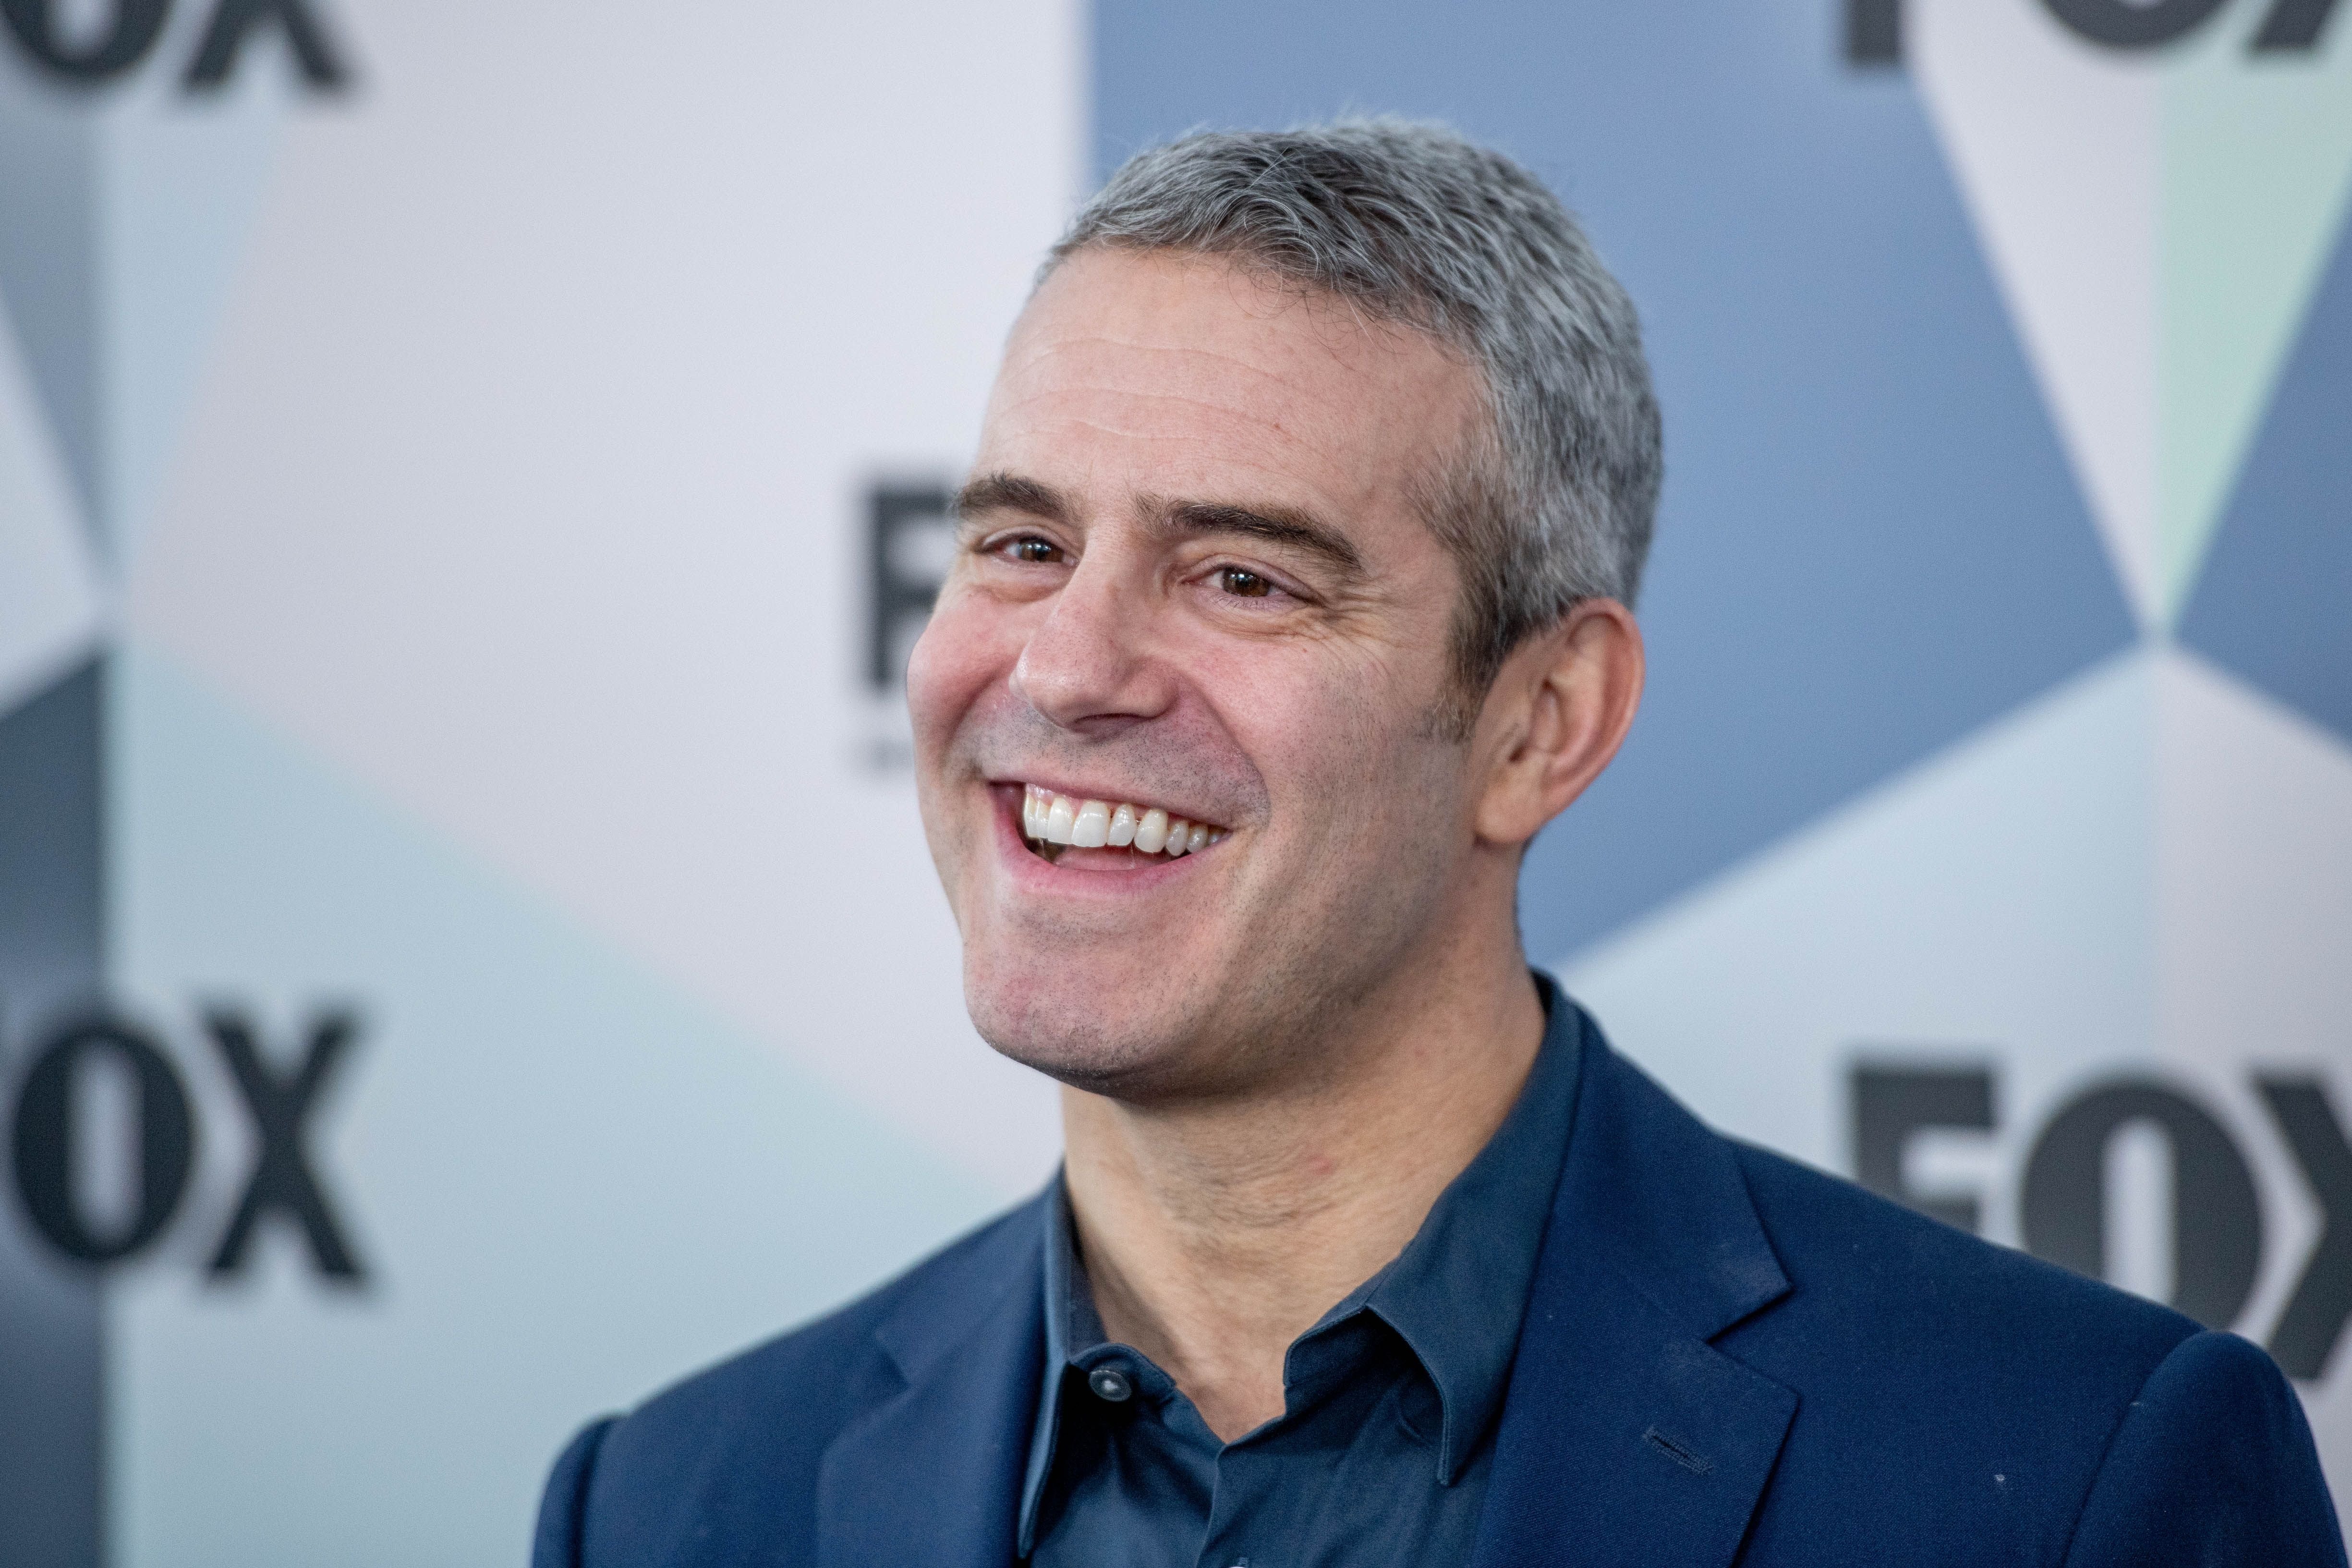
(1110, 1384)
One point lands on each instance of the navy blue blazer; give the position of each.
(1727, 1358)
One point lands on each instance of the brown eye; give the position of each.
(1244, 585)
(1036, 552)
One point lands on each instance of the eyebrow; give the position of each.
(1001, 491)
(1275, 525)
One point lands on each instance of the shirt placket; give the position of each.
(1251, 1514)
(1246, 1477)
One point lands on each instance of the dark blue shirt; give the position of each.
(1380, 1459)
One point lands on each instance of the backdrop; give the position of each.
(469, 473)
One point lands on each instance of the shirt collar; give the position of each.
(1457, 1292)
(1455, 1295)
(1072, 1325)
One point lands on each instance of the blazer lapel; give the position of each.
(933, 1476)
(1627, 1438)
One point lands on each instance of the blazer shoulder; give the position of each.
(806, 1364)
(2213, 1463)
(747, 1435)
(1941, 1298)
(1948, 1389)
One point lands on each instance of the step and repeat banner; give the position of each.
(469, 474)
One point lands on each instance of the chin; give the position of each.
(1122, 1041)
(1073, 1042)
(1158, 1037)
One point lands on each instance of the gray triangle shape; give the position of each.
(124, 211)
(51, 155)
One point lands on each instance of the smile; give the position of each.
(1051, 822)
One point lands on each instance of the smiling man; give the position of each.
(1292, 601)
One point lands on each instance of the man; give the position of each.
(1291, 602)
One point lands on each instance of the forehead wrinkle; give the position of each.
(1290, 390)
(1283, 386)
(1295, 499)
(1290, 406)
(1287, 455)
(1029, 397)
(1232, 445)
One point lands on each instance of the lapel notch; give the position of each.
(932, 1476)
(1627, 1438)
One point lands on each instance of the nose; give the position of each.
(1088, 666)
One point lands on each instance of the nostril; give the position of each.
(1079, 672)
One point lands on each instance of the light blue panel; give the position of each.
(1996, 903)
(2276, 601)
(185, 179)
(570, 1184)
(1871, 543)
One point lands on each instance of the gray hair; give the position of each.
(1420, 226)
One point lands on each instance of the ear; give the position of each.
(1556, 715)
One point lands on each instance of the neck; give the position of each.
(1215, 1235)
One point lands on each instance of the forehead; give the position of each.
(1183, 375)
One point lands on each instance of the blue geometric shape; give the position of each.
(1870, 542)
(2275, 601)
(50, 278)
(53, 923)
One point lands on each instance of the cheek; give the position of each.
(1331, 737)
(956, 658)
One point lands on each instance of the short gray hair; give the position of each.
(1421, 225)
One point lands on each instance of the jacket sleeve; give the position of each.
(563, 1507)
(2212, 1464)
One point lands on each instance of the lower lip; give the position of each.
(1032, 869)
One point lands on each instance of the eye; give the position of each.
(1033, 551)
(1243, 584)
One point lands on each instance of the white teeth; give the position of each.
(1052, 818)
(1151, 833)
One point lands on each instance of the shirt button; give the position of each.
(1110, 1384)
